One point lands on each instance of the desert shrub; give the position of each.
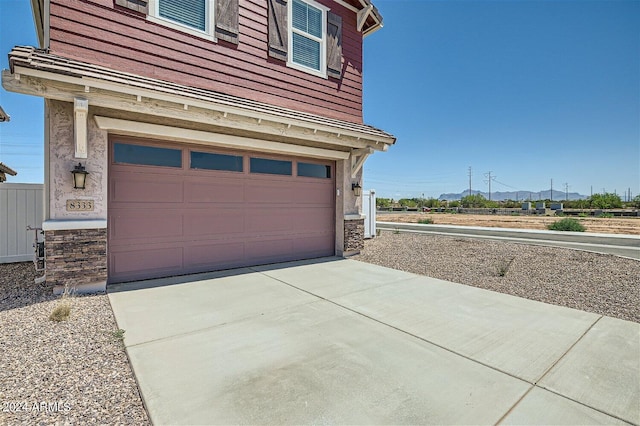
(582, 215)
(503, 267)
(61, 312)
(606, 215)
(567, 224)
(427, 221)
(605, 201)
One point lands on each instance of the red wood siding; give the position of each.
(98, 32)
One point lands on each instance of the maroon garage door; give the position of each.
(177, 209)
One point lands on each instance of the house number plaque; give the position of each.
(79, 205)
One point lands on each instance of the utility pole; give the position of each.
(566, 191)
(551, 197)
(469, 180)
(591, 191)
(489, 179)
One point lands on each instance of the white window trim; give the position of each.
(323, 41)
(208, 34)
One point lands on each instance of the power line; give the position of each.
(489, 179)
(504, 184)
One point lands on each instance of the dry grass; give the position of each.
(628, 225)
(61, 312)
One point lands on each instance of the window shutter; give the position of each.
(141, 6)
(227, 20)
(334, 45)
(278, 30)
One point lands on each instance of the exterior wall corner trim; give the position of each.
(64, 225)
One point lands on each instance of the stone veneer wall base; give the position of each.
(76, 258)
(353, 237)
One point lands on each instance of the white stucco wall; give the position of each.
(62, 161)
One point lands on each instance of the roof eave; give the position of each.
(47, 68)
(8, 170)
(37, 8)
(374, 16)
(4, 116)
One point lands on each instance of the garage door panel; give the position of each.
(314, 246)
(214, 222)
(128, 225)
(214, 190)
(183, 220)
(152, 188)
(316, 194)
(266, 220)
(268, 249)
(312, 220)
(217, 255)
(269, 192)
(146, 262)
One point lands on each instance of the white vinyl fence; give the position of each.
(20, 206)
(369, 210)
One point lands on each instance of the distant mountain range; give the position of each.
(517, 195)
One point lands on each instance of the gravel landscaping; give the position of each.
(603, 284)
(76, 371)
(69, 372)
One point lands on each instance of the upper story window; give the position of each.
(196, 17)
(308, 36)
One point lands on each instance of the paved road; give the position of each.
(619, 245)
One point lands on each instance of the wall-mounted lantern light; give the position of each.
(357, 189)
(79, 176)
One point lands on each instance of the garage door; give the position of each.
(177, 209)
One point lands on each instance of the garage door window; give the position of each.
(314, 170)
(209, 161)
(272, 167)
(146, 155)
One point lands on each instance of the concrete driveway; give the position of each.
(337, 341)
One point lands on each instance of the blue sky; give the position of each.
(530, 90)
(21, 139)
